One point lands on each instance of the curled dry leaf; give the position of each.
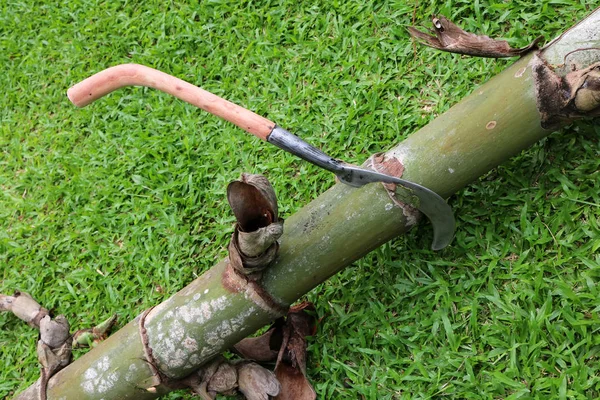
(291, 361)
(53, 360)
(198, 381)
(53, 349)
(449, 37)
(256, 382)
(294, 384)
(253, 202)
(263, 348)
(224, 380)
(285, 342)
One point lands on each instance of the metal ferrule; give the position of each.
(293, 144)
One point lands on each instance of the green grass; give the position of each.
(115, 207)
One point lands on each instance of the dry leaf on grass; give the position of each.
(449, 37)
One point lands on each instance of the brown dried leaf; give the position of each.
(256, 382)
(291, 361)
(53, 360)
(299, 324)
(286, 342)
(224, 380)
(254, 244)
(263, 348)
(449, 37)
(198, 381)
(294, 385)
(253, 202)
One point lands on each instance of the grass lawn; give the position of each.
(115, 207)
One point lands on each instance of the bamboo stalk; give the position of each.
(489, 126)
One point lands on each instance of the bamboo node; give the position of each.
(156, 379)
(390, 165)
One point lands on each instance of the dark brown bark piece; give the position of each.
(449, 37)
(291, 361)
(263, 348)
(294, 385)
(285, 342)
(563, 99)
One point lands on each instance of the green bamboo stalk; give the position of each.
(495, 122)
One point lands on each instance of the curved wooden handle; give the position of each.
(122, 75)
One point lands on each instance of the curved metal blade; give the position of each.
(430, 203)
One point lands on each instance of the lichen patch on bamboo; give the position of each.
(520, 72)
(202, 311)
(190, 344)
(217, 335)
(188, 334)
(171, 346)
(99, 378)
(411, 214)
(130, 374)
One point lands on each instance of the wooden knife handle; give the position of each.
(122, 75)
